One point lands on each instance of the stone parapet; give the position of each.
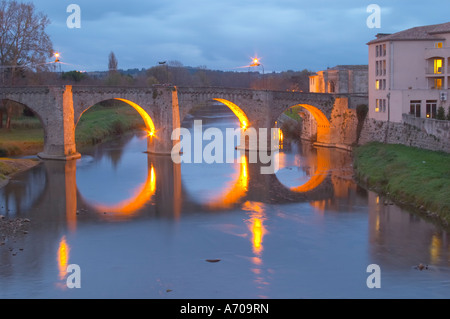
(423, 133)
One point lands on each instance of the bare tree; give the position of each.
(112, 63)
(23, 40)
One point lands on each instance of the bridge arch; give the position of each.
(36, 112)
(240, 114)
(146, 117)
(322, 122)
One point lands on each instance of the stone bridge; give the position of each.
(163, 108)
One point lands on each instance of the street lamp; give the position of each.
(257, 63)
(57, 55)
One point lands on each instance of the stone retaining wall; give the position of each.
(423, 133)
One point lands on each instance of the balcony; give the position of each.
(436, 67)
(437, 52)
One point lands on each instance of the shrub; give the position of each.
(440, 113)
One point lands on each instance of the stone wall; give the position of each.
(416, 132)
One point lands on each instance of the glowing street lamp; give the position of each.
(257, 63)
(56, 57)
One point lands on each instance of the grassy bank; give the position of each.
(102, 123)
(10, 166)
(98, 124)
(408, 175)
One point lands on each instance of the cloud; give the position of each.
(286, 34)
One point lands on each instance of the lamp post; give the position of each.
(164, 63)
(257, 63)
(57, 55)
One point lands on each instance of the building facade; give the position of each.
(409, 73)
(340, 79)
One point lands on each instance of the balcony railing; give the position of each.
(437, 53)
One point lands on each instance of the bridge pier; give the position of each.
(59, 128)
(166, 118)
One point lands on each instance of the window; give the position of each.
(384, 50)
(380, 105)
(383, 84)
(331, 87)
(438, 84)
(377, 48)
(384, 67)
(431, 108)
(377, 68)
(415, 108)
(438, 45)
(438, 66)
(377, 84)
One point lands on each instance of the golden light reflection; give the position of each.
(150, 126)
(63, 257)
(256, 226)
(237, 111)
(142, 195)
(321, 173)
(280, 138)
(71, 194)
(435, 248)
(234, 191)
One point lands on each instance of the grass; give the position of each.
(21, 141)
(10, 166)
(98, 124)
(102, 123)
(409, 175)
(293, 113)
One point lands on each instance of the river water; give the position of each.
(140, 226)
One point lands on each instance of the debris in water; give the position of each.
(212, 260)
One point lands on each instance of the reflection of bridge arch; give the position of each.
(141, 195)
(323, 166)
(235, 191)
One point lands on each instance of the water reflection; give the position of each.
(280, 223)
(63, 258)
(404, 235)
(255, 224)
(234, 191)
(141, 195)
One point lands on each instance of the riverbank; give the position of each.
(408, 176)
(99, 124)
(9, 167)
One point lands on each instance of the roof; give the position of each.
(350, 67)
(428, 32)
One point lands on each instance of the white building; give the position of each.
(409, 72)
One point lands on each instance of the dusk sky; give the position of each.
(226, 34)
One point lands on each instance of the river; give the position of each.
(140, 226)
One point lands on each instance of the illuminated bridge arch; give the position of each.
(149, 124)
(240, 114)
(322, 121)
